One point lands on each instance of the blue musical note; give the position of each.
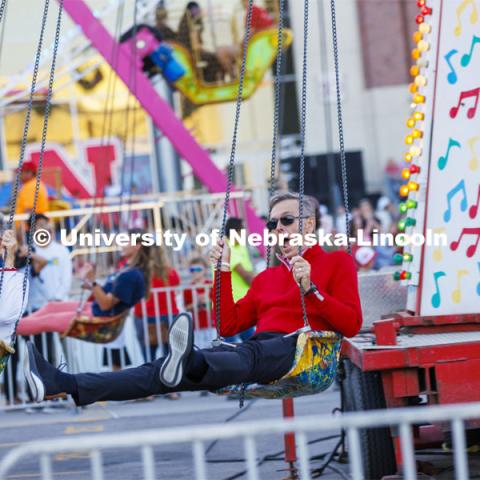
(452, 76)
(460, 188)
(443, 160)
(436, 297)
(466, 59)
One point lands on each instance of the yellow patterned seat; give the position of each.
(313, 371)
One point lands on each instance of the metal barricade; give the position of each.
(403, 420)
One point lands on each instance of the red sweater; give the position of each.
(272, 303)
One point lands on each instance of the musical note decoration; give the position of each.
(437, 297)
(467, 94)
(443, 160)
(467, 232)
(467, 58)
(457, 293)
(437, 252)
(452, 76)
(458, 189)
(473, 15)
(473, 164)
(473, 211)
(478, 284)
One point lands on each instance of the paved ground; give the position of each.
(172, 461)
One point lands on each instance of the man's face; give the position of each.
(197, 271)
(288, 211)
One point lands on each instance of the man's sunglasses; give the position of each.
(285, 221)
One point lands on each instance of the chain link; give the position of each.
(231, 164)
(343, 160)
(48, 105)
(276, 113)
(3, 6)
(303, 116)
(26, 128)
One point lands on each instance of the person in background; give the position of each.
(261, 19)
(161, 17)
(190, 33)
(26, 193)
(368, 221)
(393, 180)
(52, 283)
(242, 269)
(159, 308)
(197, 302)
(383, 213)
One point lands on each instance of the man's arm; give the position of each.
(235, 316)
(340, 307)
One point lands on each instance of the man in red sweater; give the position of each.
(272, 305)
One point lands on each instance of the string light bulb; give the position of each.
(414, 70)
(420, 81)
(411, 204)
(415, 151)
(426, 10)
(402, 225)
(417, 36)
(398, 258)
(414, 169)
(420, 19)
(421, 3)
(404, 191)
(425, 28)
(416, 54)
(419, 116)
(417, 133)
(405, 275)
(408, 157)
(411, 122)
(407, 257)
(413, 87)
(406, 173)
(409, 139)
(423, 46)
(413, 186)
(418, 98)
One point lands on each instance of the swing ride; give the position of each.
(419, 352)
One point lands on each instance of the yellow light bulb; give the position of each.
(404, 191)
(410, 122)
(409, 140)
(423, 46)
(420, 81)
(413, 186)
(408, 157)
(417, 36)
(413, 88)
(415, 151)
(425, 28)
(419, 98)
(419, 116)
(406, 173)
(416, 54)
(414, 70)
(417, 133)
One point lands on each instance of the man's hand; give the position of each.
(222, 250)
(9, 246)
(302, 271)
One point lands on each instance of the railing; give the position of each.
(401, 419)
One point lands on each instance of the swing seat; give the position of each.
(262, 51)
(5, 351)
(313, 371)
(96, 329)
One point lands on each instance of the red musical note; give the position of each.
(466, 232)
(475, 93)
(474, 208)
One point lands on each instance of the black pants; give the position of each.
(262, 359)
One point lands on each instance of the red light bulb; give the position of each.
(420, 19)
(414, 169)
(426, 10)
(421, 3)
(403, 275)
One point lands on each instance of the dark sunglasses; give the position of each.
(285, 221)
(196, 269)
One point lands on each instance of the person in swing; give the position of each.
(12, 300)
(272, 305)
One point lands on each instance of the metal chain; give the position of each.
(26, 128)
(231, 163)
(3, 6)
(303, 116)
(341, 137)
(276, 113)
(48, 104)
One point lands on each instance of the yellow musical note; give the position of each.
(473, 164)
(457, 293)
(437, 252)
(473, 16)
